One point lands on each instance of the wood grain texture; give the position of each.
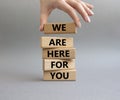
(62, 28)
(53, 42)
(60, 75)
(59, 53)
(57, 64)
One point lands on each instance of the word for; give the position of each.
(59, 64)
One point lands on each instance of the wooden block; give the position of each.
(59, 28)
(57, 64)
(59, 53)
(53, 42)
(60, 75)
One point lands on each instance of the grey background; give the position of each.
(97, 60)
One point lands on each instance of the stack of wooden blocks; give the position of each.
(58, 52)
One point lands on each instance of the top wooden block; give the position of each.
(59, 28)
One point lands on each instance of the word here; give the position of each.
(59, 53)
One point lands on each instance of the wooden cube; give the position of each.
(60, 75)
(57, 64)
(59, 28)
(53, 42)
(59, 53)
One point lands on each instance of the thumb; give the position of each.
(43, 20)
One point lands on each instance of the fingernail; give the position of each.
(87, 19)
(92, 6)
(92, 12)
(78, 24)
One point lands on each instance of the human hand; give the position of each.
(68, 6)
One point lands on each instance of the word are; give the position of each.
(57, 42)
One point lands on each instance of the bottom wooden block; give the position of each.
(60, 75)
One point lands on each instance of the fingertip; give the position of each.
(92, 6)
(92, 13)
(78, 24)
(43, 20)
(87, 19)
(41, 28)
